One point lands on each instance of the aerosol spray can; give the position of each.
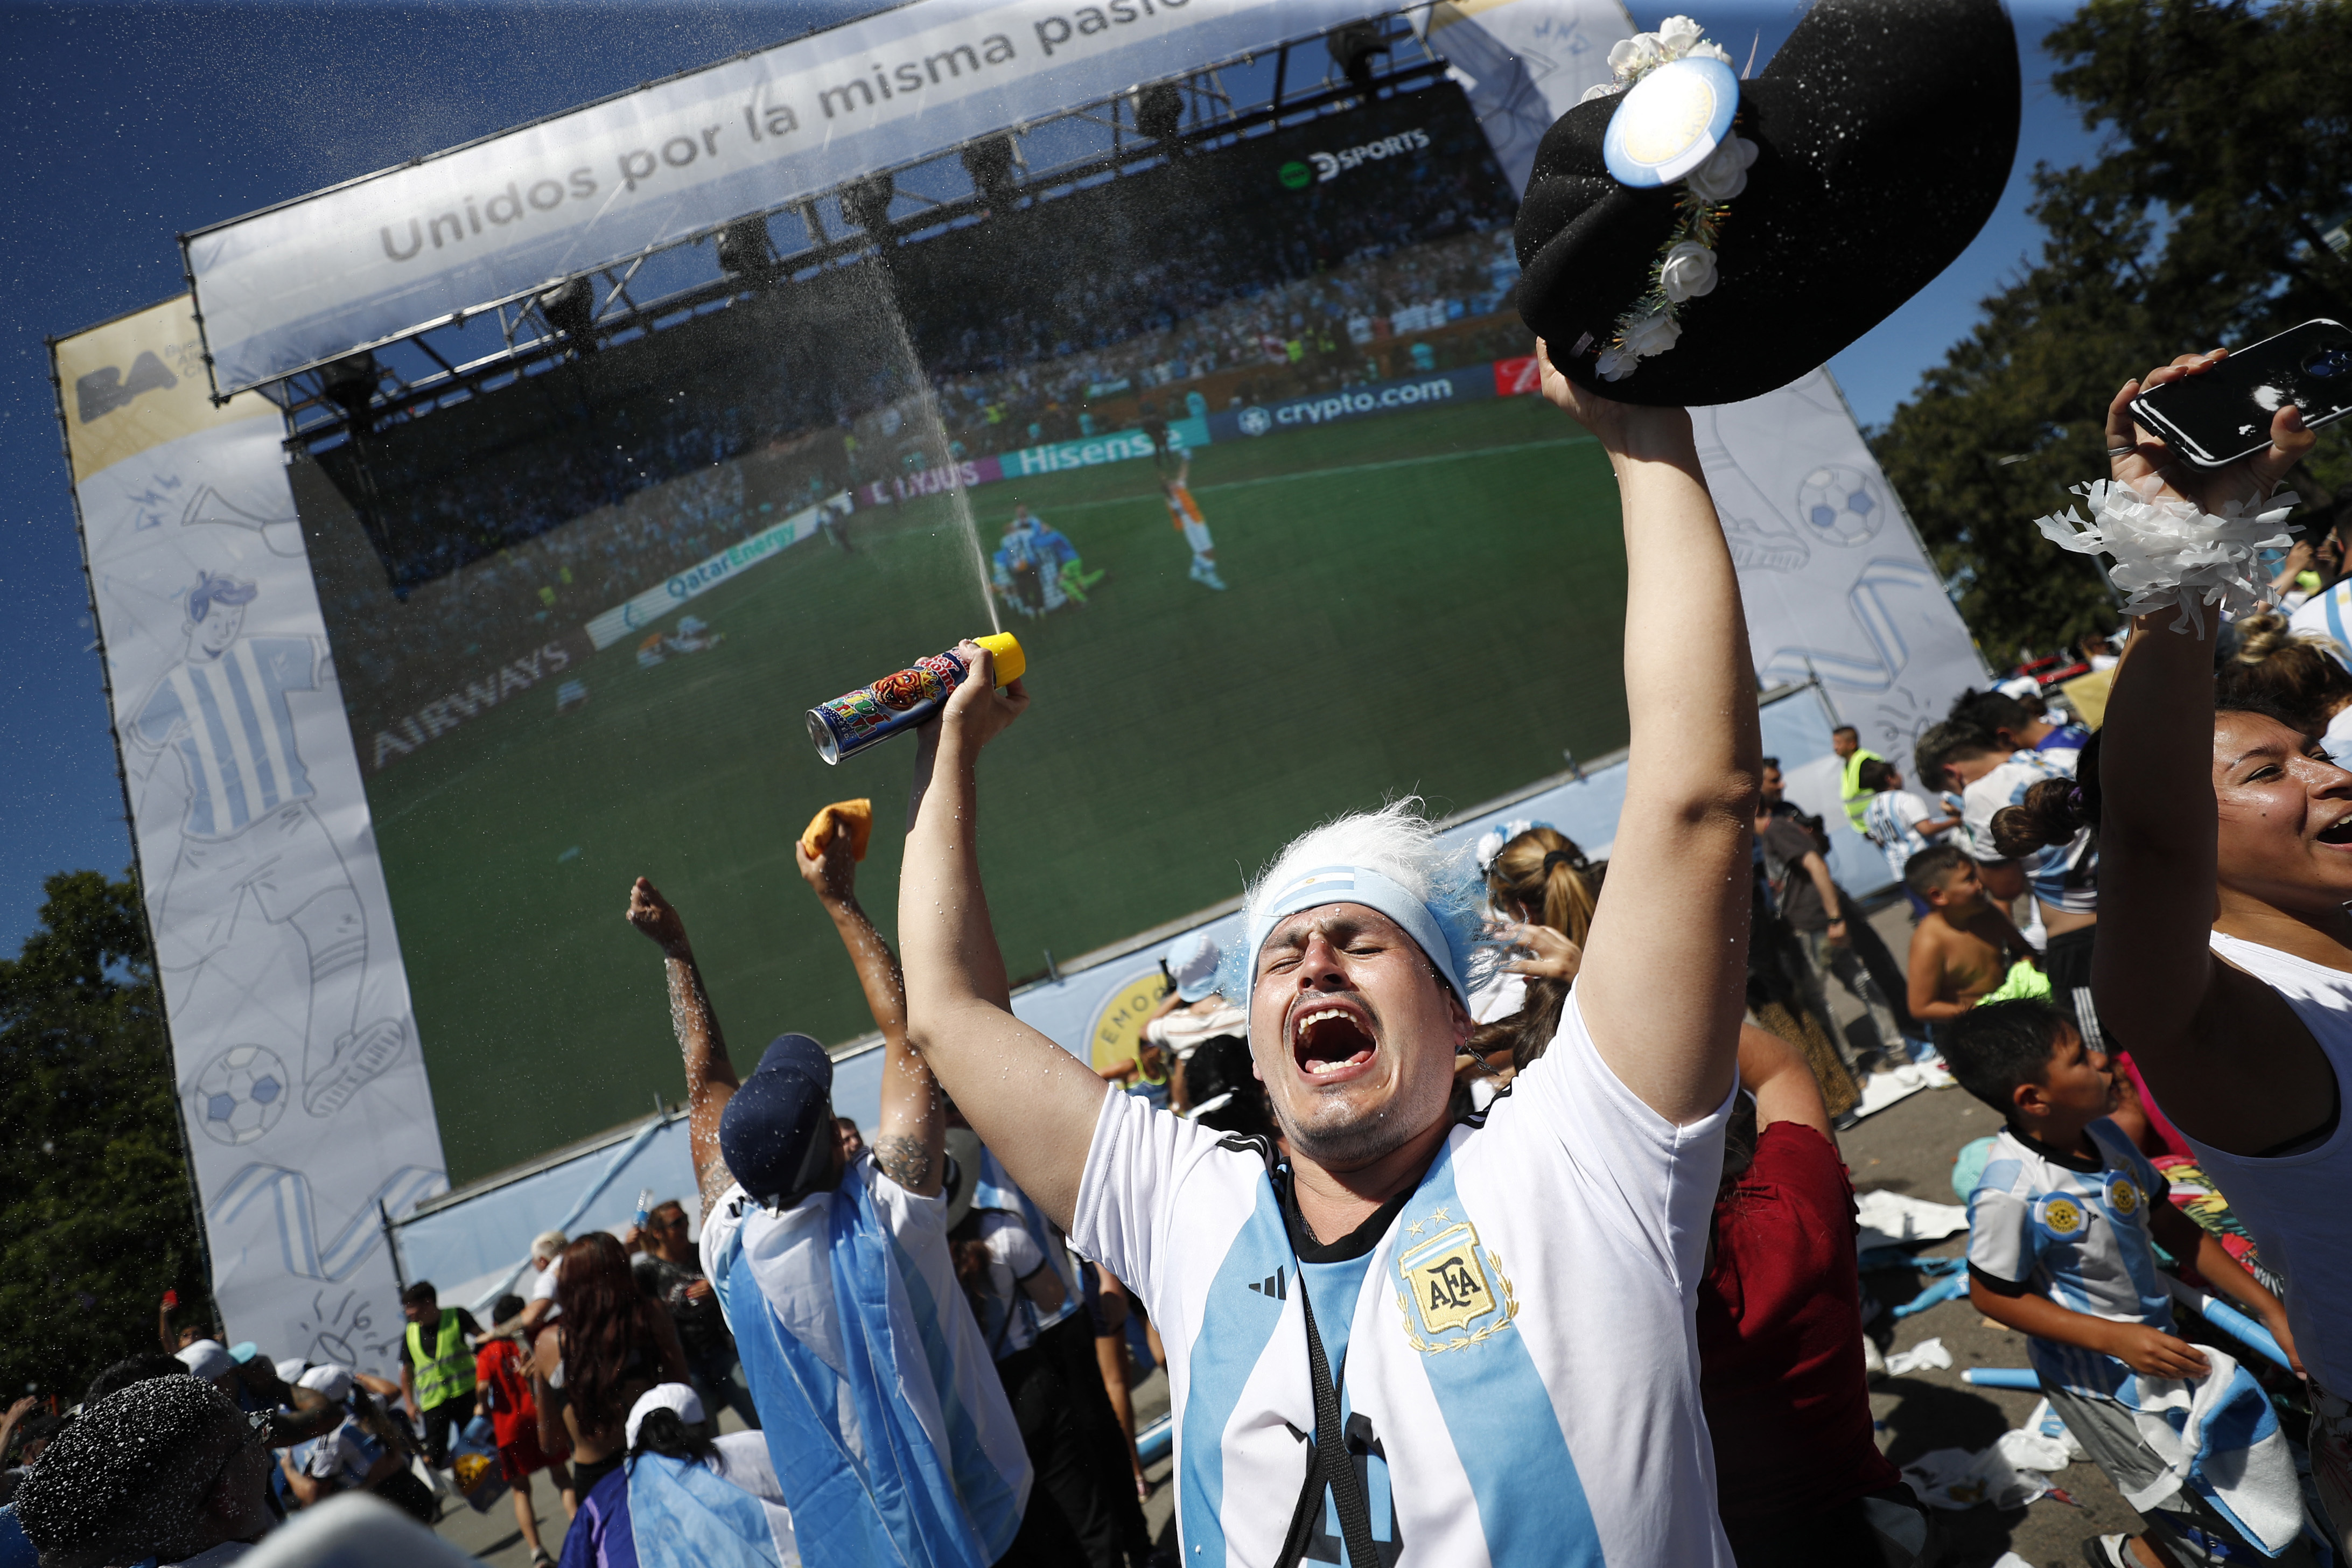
(859, 719)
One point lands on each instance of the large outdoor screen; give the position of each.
(578, 620)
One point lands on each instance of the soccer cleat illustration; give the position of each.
(360, 1057)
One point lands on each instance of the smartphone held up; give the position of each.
(2220, 415)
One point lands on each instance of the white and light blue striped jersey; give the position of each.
(2065, 876)
(228, 717)
(2080, 1238)
(1891, 821)
(1515, 1349)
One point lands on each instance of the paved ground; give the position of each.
(1907, 1148)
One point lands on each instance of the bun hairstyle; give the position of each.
(2053, 811)
(666, 1432)
(1543, 870)
(2278, 671)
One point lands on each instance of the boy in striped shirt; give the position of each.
(2063, 1229)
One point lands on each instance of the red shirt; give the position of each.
(504, 1379)
(1779, 1337)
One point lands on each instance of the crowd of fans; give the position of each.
(1411, 1070)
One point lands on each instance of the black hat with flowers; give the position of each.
(1673, 261)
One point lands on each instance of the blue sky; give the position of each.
(126, 124)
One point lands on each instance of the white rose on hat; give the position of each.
(1651, 334)
(1631, 54)
(1724, 173)
(1687, 272)
(1677, 36)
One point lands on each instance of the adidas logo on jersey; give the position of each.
(1273, 1285)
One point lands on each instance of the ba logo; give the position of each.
(1256, 422)
(1295, 176)
(1452, 1291)
(2123, 1196)
(2062, 1217)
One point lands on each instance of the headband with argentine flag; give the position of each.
(1357, 885)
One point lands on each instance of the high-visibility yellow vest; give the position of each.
(1856, 798)
(449, 1373)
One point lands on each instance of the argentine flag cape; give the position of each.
(879, 1459)
(686, 1515)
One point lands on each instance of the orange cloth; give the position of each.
(856, 815)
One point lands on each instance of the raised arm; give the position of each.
(1030, 1101)
(1664, 981)
(911, 1138)
(2153, 963)
(710, 1079)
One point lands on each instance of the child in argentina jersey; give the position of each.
(1513, 1340)
(2050, 1222)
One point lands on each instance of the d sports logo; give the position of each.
(1297, 176)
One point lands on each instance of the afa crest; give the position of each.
(2123, 1195)
(1452, 1291)
(2062, 1217)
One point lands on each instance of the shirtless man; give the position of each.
(1964, 945)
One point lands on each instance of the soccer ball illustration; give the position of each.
(1840, 504)
(240, 1094)
(1256, 422)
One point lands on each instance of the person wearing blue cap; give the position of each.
(892, 1439)
(1395, 1337)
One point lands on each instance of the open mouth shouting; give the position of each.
(1331, 1037)
(2338, 834)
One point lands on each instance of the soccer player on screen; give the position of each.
(1184, 513)
(250, 840)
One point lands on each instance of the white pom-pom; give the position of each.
(2167, 552)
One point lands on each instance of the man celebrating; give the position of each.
(1417, 1340)
(890, 1435)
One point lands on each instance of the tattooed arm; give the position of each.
(910, 1144)
(710, 1078)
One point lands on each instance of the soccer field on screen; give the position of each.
(1429, 602)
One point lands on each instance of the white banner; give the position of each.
(369, 261)
(1835, 581)
(300, 1083)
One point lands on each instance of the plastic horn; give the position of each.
(2230, 1320)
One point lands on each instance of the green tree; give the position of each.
(95, 1214)
(2227, 162)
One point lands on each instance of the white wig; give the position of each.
(1392, 860)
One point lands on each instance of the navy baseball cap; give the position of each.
(777, 1130)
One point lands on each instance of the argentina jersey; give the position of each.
(228, 719)
(1513, 1341)
(2079, 1236)
(2065, 876)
